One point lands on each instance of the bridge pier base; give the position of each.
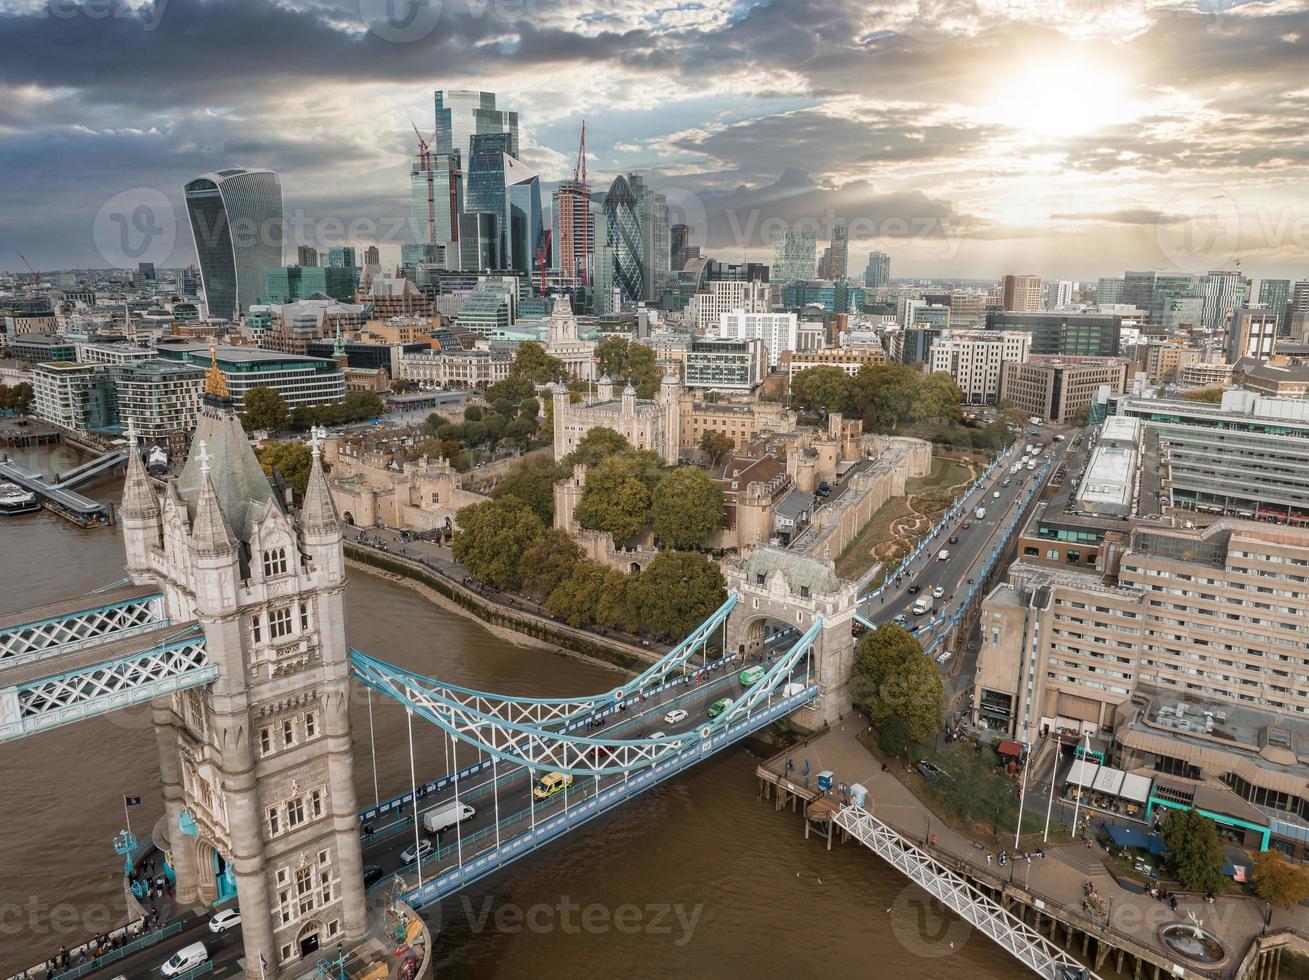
(181, 849)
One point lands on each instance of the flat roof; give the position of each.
(1109, 478)
(1121, 429)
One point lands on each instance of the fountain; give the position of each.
(1192, 941)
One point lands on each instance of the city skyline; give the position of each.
(1143, 136)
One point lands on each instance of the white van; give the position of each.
(792, 689)
(921, 606)
(446, 816)
(186, 958)
(944, 658)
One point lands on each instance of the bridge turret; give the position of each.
(139, 514)
(320, 528)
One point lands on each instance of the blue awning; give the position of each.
(1136, 837)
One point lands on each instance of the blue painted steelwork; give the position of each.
(24, 643)
(620, 792)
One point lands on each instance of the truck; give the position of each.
(979, 512)
(445, 816)
(922, 606)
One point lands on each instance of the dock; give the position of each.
(58, 495)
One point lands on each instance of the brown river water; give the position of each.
(693, 879)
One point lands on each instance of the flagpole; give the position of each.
(127, 816)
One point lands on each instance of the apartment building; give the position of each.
(158, 398)
(974, 358)
(76, 396)
(848, 359)
(778, 331)
(1061, 389)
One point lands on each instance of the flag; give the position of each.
(131, 801)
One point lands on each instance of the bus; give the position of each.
(752, 675)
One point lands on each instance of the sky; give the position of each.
(967, 138)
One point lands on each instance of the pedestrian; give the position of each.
(1088, 843)
(988, 857)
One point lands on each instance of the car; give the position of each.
(411, 853)
(938, 592)
(719, 706)
(943, 555)
(932, 771)
(996, 495)
(550, 784)
(224, 920)
(675, 716)
(954, 539)
(373, 873)
(900, 619)
(1004, 482)
(185, 959)
(913, 589)
(965, 525)
(656, 735)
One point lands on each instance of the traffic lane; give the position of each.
(224, 949)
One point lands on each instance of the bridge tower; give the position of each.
(256, 768)
(792, 589)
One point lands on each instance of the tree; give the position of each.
(716, 445)
(530, 407)
(576, 599)
(598, 443)
(264, 409)
(1213, 396)
(892, 678)
(823, 390)
(472, 413)
(533, 363)
(505, 407)
(1194, 852)
(521, 430)
(611, 356)
(893, 737)
(616, 500)
(293, 459)
(549, 561)
(360, 405)
(515, 388)
(882, 394)
(493, 537)
(622, 359)
(17, 398)
(401, 385)
(936, 399)
(533, 482)
(1278, 881)
(674, 594)
(687, 507)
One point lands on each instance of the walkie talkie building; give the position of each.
(236, 222)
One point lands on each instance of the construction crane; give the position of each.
(542, 252)
(425, 162)
(31, 270)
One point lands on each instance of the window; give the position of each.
(256, 628)
(311, 724)
(279, 623)
(286, 952)
(284, 901)
(274, 827)
(265, 740)
(274, 562)
(295, 813)
(316, 803)
(288, 733)
(304, 617)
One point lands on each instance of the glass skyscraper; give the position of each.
(623, 241)
(878, 272)
(522, 221)
(795, 256)
(461, 115)
(236, 223)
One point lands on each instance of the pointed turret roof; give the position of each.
(318, 513)
(139, 499)
(233, 471)
(210, 533)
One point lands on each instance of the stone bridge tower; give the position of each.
(793, 590)
(257, 769)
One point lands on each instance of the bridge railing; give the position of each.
(114, 955)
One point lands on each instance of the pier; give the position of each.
(59, 496)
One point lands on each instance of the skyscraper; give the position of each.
(656, 246)
(623, 241)
(878, 272)
(1109, 290)
(1223, 291)
(306, 255)
(573, 231)
(372, 256)
(680, 247)
(1275, 294)
(838, 253)
(1021, 294)
(1297, 311)
(442, 211)
(236, 223)
(486, 190)
(341, 257)
(1138, 288)
(522, 218)
(461, 115)
(795, 256)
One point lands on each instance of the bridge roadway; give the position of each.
(384, 849)
(970, 553)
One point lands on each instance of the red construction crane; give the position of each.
(543, 250)
(425, 162)
(30, 269)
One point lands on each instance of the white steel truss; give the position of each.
(540, 748)
(987, 916)
(175, 664)
(537, 712)
(29, 642)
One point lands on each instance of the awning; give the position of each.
(1108, 780)
(1009, 747)
(1135, 788)
(1082, 772)
(1135, 837)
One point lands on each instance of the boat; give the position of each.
(15, 500)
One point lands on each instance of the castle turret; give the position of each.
(604, 389)
(559, 410)
(140, 514)
(629, 402)
(670, 397)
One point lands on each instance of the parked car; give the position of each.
(824, 489)
(932, 771)
(675, 716)
(224, 920)
(411, 854)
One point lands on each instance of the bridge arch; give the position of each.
(785, 588)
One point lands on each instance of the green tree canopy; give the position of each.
(616, 500)
(531, 407)
(549, 561)
(1278, 881)
(598, 443)
(892, 677)
(936, 399)
(505, 407)
(493, 537)
(583, 597)
(823, 390)
(716, 445)
(882, 394)
(688, 509)
(17, 398)
(625, 360)
(532, 481)
(1194, 852)
(264, 409)
(893, 737)
(472, 413)
(675, 593)
(533, 363)
(293, 459)
(515, 388)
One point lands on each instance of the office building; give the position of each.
(1223, 292)
(848, 359)
(833, 297)
(1069, 334)
(1109, 290)
(835, 259)
(490, 308)
(1021, 294)
(1061, 389)
(372, 258)
(967, 310)
(1275, 295)
(877, 274)
(455, 369)
(1277, 380)
(920, 313)
(974, 359)
(681, 249)
(76, 396)
(1138, 288)
(461, 115)
(342, 257)
(289, 283)
(1057, 293)
(624, 243)
(306, 255)
(1298, 310)
(158, 398)
(522, 220)
(1163, 360)
(436, 200)
(913, 345)
(114, 353)
(236, 224)
(573, 232)
(795, 256)
(725, 295)
(1251, 332)
(778, 331)
(299, 380)
(726, 365)
(37, 347)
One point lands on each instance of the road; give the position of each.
(476, 833)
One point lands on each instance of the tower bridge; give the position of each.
(233, 629)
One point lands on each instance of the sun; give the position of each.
(1061, 97)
